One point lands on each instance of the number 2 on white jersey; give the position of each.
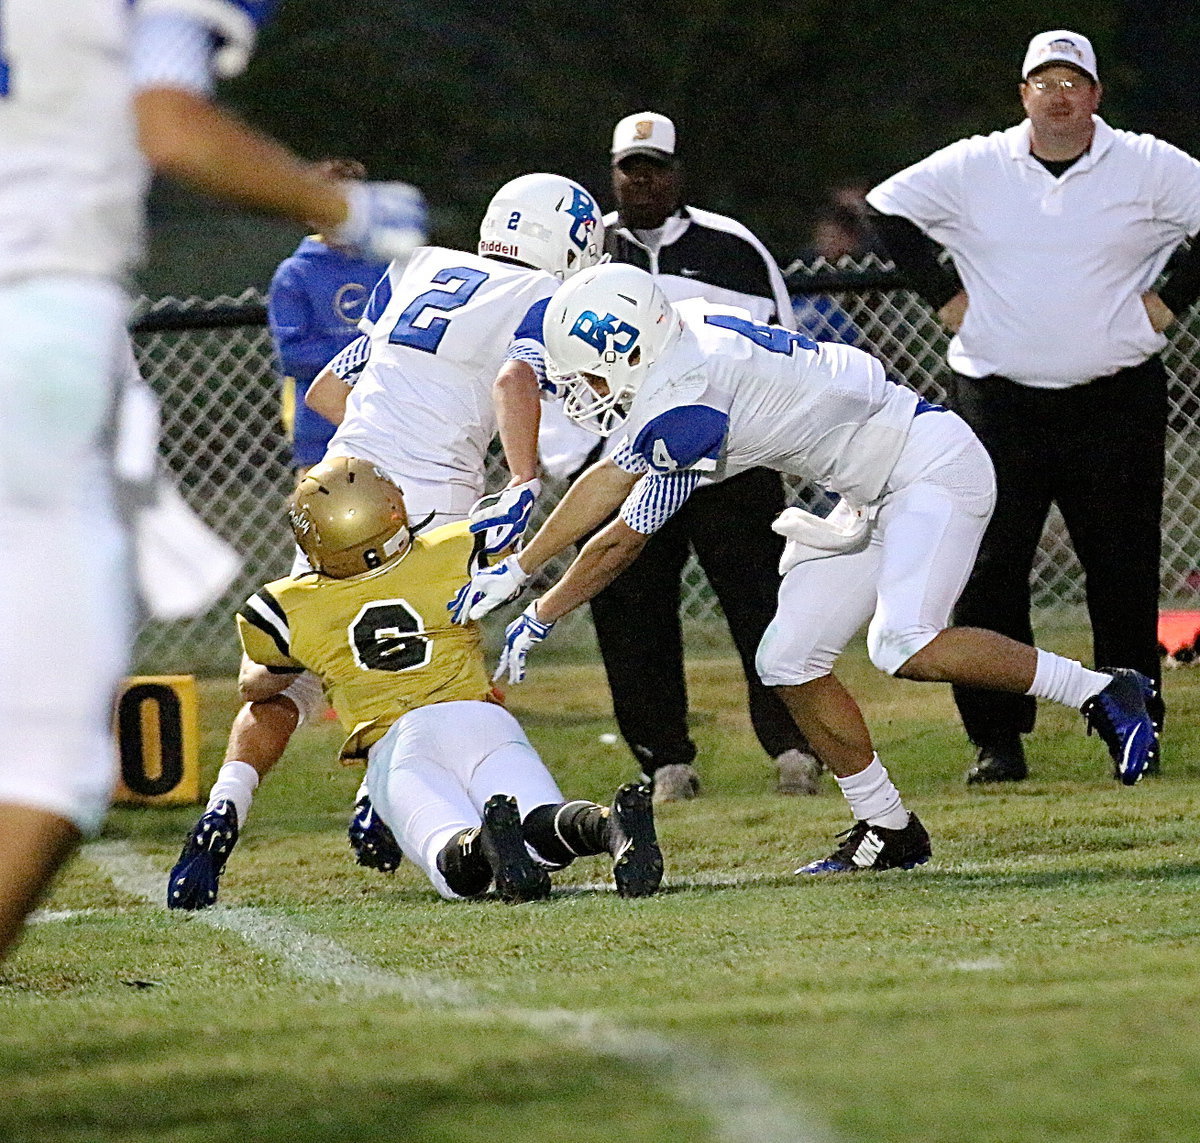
(429, 337)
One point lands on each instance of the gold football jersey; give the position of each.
(382, 642)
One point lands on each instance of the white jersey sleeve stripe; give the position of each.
(533, 353)
(627, 460)
(349, 363)
(656, 498)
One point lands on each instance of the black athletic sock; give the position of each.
(462, 863)
(560, 833)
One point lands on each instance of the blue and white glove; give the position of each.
(386, 220)
(504, 515)
(520, 636)
(490, 588)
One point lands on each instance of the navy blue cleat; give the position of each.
(869, 846)
(1118, 714)
(637, 859)
(373, 842)
(194, 881)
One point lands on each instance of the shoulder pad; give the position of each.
(687, 436)
(531, 323)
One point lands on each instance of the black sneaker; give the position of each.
(1118, 714)
(1002, 761)
(194, 881)
(873, 847)
(373, 842)
(637, 860)
(516, 875)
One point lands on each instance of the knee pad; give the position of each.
(308, 695)
(783, 662)
(890, 649)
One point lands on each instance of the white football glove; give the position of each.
(504, 515)
(520, 636)
(488, 589)
(386, 220)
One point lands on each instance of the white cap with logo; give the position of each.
(646, 133)
(1061, 47)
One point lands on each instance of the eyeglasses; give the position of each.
(1043, 84)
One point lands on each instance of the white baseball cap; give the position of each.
(1061, 47)
(646, 133)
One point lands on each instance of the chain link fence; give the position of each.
(211, 363)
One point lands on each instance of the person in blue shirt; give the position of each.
(316, 298)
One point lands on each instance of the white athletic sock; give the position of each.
(362, 791)
(236, 781)
(873, 798)
(1066, 681)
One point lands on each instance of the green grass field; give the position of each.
(1038, 980)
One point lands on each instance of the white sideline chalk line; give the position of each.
(46, 916)
(740, 1106)
(691, 881)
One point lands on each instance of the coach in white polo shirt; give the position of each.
(1057, 229)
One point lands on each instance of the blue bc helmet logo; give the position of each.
(605, 332)
(584, 211)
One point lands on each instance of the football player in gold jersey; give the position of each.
(449, 771)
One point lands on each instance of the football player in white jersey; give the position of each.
(435, 332)
(82, 83)
(703, 392)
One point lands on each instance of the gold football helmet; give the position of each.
(348, 517)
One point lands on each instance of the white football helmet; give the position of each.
(544, 221)
(611, 322)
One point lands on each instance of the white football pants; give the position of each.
(906, 578)
(431, 774)
(65, 589)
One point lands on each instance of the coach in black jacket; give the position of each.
(693, 253)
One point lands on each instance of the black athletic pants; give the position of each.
(1097, 451)
(638, 627)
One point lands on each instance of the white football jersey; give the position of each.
(733, 394)
(422, 407)
(71, 175)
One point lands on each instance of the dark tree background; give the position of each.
(774, 101)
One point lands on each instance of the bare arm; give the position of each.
(186, 136)
(256, 682)
(952, 313)
(604, 557)
(591, 500)
(518, 414)
(328, 395)
(1160, 314)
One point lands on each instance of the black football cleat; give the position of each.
(515, 875)
(637, 859)
(869, 846)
